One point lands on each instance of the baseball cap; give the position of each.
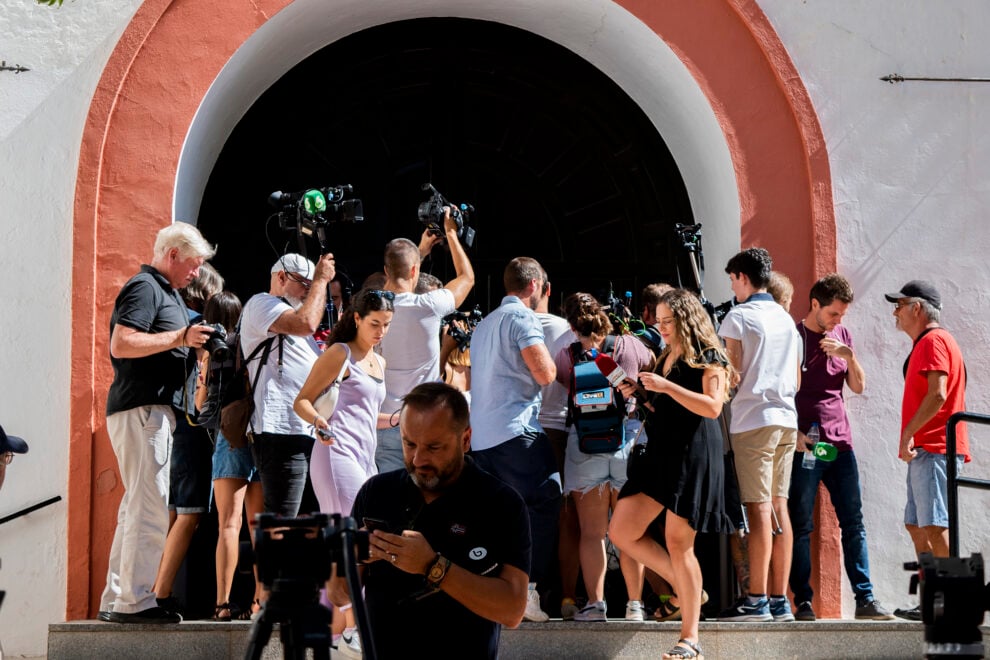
(917, 289)
(295, 263)
(12, 443)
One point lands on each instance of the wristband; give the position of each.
(185, 334)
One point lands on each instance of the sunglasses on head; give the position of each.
(384, 295)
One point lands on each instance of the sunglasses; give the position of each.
(298, 280)
(379, 293)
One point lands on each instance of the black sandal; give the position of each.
(247, 613)
(684, 650)
(220, 608)
(667, 612)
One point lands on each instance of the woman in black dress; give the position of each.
(681, 470)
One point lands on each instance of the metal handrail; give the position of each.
(29, 509)
(954, 481)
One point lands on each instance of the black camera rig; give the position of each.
(431, 214)
(462, 333)
(309, 212)
(294, 557)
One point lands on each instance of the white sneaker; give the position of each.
(568, 608)
(349, 644)
(634, 611)
(533, 611)
(594, 611)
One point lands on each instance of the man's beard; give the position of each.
(294, 303)
(440, 479)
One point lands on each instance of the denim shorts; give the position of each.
(927, 490)
(229, 463)
(585, 472)
(189, 481)
(388, 452)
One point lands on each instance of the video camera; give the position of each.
(431, 214)
(294, 557)
(953, 601)
(456, 332)
(309, 212)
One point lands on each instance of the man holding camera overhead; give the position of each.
(150, 338)
(412, 347)
(286, 316)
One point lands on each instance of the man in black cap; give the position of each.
(934, 389)
(9, 445)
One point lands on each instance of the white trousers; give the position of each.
(142, 441)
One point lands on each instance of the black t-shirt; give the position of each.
(480, 524)
(147, 303)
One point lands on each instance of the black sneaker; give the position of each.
(805, 612)
(103, 615)
(874, 611)
(913, 614)
(151, 615)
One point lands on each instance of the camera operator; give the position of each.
(287, 315)
(150, 338)
(412, 347)
(449, 552)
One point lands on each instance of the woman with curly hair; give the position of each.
(680, 473)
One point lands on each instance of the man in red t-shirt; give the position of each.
(934, 389)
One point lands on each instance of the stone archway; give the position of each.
(173, 52)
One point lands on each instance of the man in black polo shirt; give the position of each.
(456, 568)
(150, 338)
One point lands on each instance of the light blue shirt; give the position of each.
(505, 400)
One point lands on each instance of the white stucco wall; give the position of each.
(908, 162)
(42, 113)
(910, 165)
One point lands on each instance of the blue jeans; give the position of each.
(527, 463)
(841, 479)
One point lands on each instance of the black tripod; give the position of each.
(294, 556)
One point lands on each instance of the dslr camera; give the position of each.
(431, 214)
(217, 345)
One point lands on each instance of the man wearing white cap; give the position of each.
(9, 445)
(286, 317)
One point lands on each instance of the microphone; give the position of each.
(616, 375)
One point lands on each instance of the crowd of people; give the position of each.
(476, 470)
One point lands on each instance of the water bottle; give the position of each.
(809, 460)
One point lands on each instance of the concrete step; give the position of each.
(192, 640)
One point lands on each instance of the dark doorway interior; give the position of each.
(560, 164)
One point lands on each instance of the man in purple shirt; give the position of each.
(828, 364)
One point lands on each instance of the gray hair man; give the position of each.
(150, 338)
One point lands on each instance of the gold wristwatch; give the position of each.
(437, 572)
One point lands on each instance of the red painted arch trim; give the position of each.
(162, 67)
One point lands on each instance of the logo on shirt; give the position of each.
(458, 529)
(478, 554)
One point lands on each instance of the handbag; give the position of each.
(326, 402)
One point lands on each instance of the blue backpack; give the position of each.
(596, 409)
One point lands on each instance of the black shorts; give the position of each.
(191, 468)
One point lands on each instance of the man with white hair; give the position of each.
(286, 318)
(150, 338)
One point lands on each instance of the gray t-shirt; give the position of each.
(412, 346)
(277, 386)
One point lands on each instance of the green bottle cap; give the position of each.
(314, 202)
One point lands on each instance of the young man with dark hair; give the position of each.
(451, 549)
(763, 345)
(829, 364)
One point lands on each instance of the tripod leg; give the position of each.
(261, 632)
